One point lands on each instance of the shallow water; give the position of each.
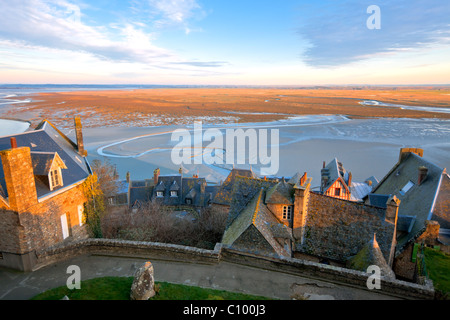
(365, 146)
(10, 127)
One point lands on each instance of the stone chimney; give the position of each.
(79, 135)
(19, 177)
(404, 152)
(392, 206)
(301, 197)
(423, 173)
(325, 176)
(156, 176)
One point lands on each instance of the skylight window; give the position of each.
(406, 188)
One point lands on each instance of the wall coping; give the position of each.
(173, 252)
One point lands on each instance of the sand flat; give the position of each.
(150, 107)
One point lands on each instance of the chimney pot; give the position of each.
(156, 176)
(13, 143)
(423, 172)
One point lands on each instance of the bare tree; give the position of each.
(157, 223)
(107, 177)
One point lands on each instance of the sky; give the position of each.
(225, 42)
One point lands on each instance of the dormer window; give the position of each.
(55, 179)
(160, 194)
(173, 194)
(47, 168)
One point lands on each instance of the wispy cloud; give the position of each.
(337, 32)
(59, 25)
(175, 12)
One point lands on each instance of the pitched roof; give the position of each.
(43, 161)
(371, 255)
(224, 194)
(335, 171)
(281, 193)
(359, 190)
(244, 190)
(417, 200)
(46, 138)
(256, 215)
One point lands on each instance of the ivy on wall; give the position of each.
(94, 207)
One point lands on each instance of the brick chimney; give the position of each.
(423, 173)
(156, 176)
(79, 135)
(349, 182)
(19, 177)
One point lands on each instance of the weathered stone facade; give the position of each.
(38, 225)
(33, 215)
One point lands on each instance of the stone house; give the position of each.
(41, 196)
(424, 191)
(286, 218)
(338, 183)
(171, 190)
(223, 196)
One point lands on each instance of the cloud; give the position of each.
(174, 12)
(57, 25)
(337, 34)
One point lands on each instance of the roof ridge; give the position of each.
(255, 213)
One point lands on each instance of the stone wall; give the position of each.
(441, 212)
(39, 226)
(340, 277)
(338, 229)
(124, 248)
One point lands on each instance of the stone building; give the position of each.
(41, 196)
(338, 183)
(223, 196)
(171, 190)
(424, 191)
(285, 218)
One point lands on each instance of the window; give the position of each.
(188, 201)
(160, 194)
(287, 212)
(1, 256)
(80, 214)
(337, 192)
(173, 194)
(55, 178)
(406, 188)
(64, 226)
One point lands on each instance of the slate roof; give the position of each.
(419, 200)
(371, 255)
(258, 217)
(378, 200)
(224, 193)
(194, 189)
(42, 162)
(281, 193)
(335, 171)
(405, 223)
(359, 190)
(244, 190)
(46, 138)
